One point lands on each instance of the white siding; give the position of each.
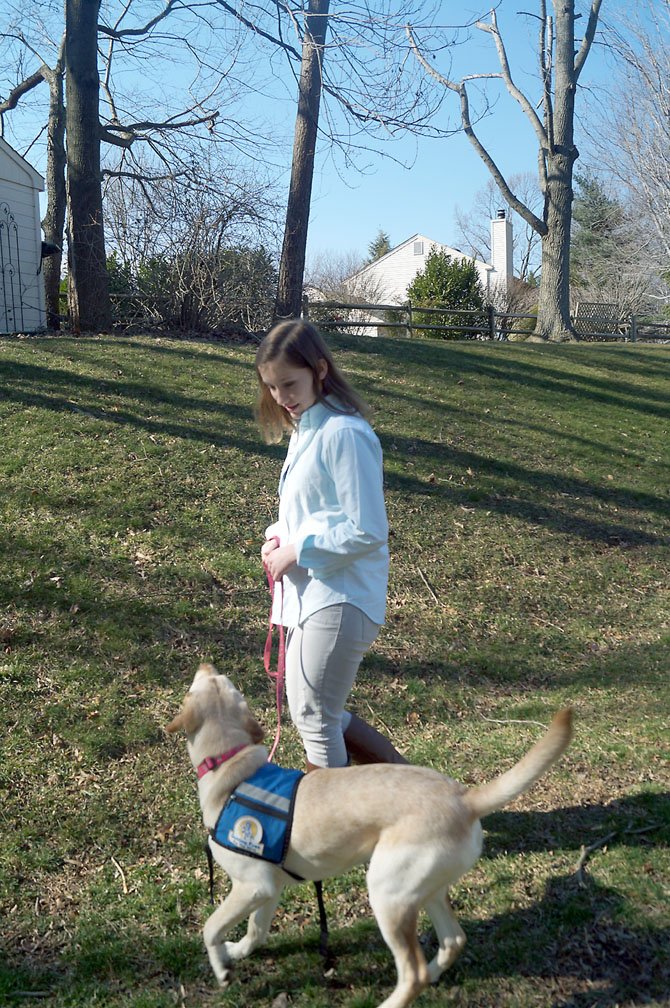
(389, 277)
(22, 285)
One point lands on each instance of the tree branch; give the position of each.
(124, 136)
(17, 93)
(515, 92)
(460, 89)
(588, 38)
(546, 52)
(138, 177)
(120, 33)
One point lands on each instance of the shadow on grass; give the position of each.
(132, 404)
(161, 345)
(490, 665)
(513, 490)
(528, 366)
(510, 490)
(575, 938)
(640, 820)
(574, 946)
(575, 943)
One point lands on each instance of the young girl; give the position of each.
(329, 546)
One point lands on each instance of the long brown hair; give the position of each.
(299, 343)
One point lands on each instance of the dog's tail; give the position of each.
(487, 798)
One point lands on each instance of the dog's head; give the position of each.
(215, 716)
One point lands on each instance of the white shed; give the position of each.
(22, 291)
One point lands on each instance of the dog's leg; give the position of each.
(396, 911)
(245, 899)
(450, 934)
(257, 931)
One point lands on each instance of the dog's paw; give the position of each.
(221, 965)
(225, 977)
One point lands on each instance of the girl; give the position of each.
(329, 546)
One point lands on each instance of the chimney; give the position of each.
(501, 250)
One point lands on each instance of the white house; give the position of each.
(385, 281)
(22, 293)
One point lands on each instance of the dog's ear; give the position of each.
(256, 730)
(187, 720)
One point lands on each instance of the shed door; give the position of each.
(11, 306)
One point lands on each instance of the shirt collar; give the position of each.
(315, 415)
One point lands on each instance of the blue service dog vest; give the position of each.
(257, 818)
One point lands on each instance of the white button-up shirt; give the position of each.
(331, 508)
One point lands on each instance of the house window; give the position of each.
(418, 248)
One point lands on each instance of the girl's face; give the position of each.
(293, 388)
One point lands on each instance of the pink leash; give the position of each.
(280, 674)
(279, 677)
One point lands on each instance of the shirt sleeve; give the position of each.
(357, 523)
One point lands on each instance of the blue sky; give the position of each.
(347, 212)
(349, 207)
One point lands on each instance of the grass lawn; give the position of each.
(527, 491)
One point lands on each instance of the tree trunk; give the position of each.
(553, 310)
(54, 218)
(292, 264)
(553, 313)
(88, 285)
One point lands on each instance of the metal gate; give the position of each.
(11, 303)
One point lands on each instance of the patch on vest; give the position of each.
(257, 818)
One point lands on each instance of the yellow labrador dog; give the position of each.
(418, 830)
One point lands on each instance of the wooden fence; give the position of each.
(484, 324)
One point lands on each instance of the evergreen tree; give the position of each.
(379, 246)
(614, 256)
(596, 225)
(446, 283)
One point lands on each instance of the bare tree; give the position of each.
(561, 62)
(355, 83)
(87, 125)
(197, 252)
(341, 277)
(628, 130)
(292, 263)
(88, 287)
(370, 85)
(370, 82)
(474, 224)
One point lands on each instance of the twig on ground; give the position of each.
(511, 721)
(376, 716)
(587, 851)
(425, 581)
(123, 877)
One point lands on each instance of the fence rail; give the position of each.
(487, 323)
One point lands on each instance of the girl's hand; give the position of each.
(268, 546)
(279, 560)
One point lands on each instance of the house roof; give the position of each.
(431, 241)
(21, 167)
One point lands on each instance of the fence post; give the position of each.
(409, 320)
(305, 307)
(491, 312)
(633, 328)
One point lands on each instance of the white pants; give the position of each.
(322, 658)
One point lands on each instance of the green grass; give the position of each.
(527, 490)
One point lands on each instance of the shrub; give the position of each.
(447, 283)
